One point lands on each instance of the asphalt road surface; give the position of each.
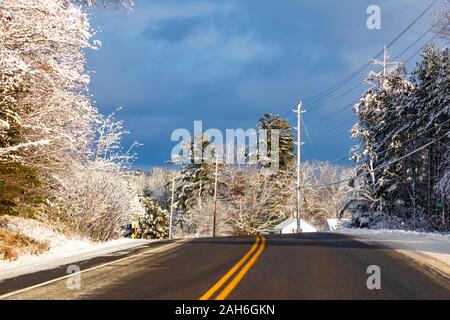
(309, 266)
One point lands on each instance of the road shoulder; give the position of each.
(430, 251)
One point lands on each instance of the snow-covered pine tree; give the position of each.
(154, 224)
(430, 108)
(275, 207)
(195, 181)
(380, 140)
(237, 192)
(286, 143)
(396, 117)
(442, 24)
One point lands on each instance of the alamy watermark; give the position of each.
(233, 147)
(74, 281)
(374, 20)
(374, 280)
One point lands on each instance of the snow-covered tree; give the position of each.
(46, 119)
(442, 188)
(431, 105)
(53, 141)
(271, 122)
(101, 194)
(157, 185)
(378, 131)
(154, 224)
(442, 24)
(42, 60)
(196, 179)
(397, 116)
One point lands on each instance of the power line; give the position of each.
(377, 168)
(309, 139)
(335, 136)
(417, 40)
(406, 61)
(335, 99)
(336, 112)
(361, 83)
(332, 129)
(421, 48)
(393, 147)
(364, 66)
(353, 103)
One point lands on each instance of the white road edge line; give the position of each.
(169, 245)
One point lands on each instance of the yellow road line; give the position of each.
(167, 246)
(233, 283)
(222, 280)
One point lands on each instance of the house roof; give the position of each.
(288, 221)
(285, 223)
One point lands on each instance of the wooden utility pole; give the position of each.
(299, 154)
(215, 196)
(171, 208)
(385, 61)
(200, 196)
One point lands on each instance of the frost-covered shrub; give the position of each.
(376, 220)
(154, 224)
(61, 158)
(403, 219)
(101, 200)
(157, 184)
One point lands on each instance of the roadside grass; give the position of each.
(14, 244)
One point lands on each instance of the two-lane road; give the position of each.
(309, 266)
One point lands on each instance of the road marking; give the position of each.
(167, 246)
(232, 285)
(258, 246)
(222, 280)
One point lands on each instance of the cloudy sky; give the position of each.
(227, 62)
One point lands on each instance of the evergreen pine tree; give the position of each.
(196, 179)
(286, 143)
(154, 224)
(381, 141)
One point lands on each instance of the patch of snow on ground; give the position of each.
(403, 233)
(62, 251)
(434, 245)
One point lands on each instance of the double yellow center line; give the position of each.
(248, 260)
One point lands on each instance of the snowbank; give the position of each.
(433, 248)
(403, 233)
(63, 250)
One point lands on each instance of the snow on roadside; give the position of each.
(432, 245)
(403, 233)
(62, 251)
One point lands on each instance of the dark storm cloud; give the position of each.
(170, 62)
(173, 29)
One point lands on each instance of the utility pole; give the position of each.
(200, 196)
(171, 208)
(299, 154)
(385, 61)
(215, 196)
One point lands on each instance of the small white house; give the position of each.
(334, 224)
(290, 226)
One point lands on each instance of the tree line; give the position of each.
(61, 161)
(403, 158)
